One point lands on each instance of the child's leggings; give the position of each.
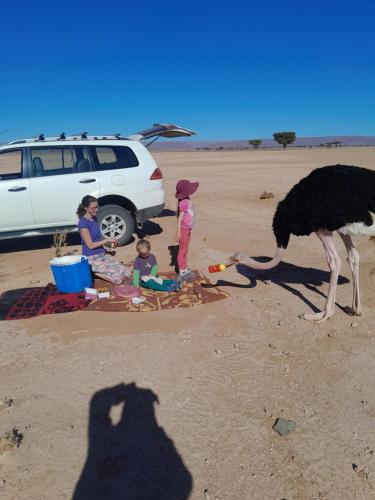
(109, 268)
(183, 248)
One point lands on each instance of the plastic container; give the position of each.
(126, 291)
(72, 274)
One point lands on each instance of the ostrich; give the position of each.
(334, 198)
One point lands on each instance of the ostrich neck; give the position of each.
(263, 266)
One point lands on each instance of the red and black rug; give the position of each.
(26, 303)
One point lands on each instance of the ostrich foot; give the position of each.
(319, 317)
(353, 311)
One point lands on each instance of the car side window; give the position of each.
(113, 157)
(59, 161)
(10, 165)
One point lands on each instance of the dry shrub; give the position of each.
(59, 242)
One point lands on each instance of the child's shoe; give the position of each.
(185, 275)
(174, 286)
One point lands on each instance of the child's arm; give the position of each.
(136, 277)
(154, 270)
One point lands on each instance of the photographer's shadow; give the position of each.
(133, 459)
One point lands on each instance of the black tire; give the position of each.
(116, 222)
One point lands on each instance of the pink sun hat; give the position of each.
(185, 188)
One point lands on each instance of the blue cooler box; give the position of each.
(71, 273)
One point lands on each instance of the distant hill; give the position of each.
(193, 145)
(346, 140)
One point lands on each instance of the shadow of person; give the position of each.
(173, 251)
(133, 459)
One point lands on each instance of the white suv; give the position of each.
(43, 180)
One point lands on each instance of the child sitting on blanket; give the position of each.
(145, 270)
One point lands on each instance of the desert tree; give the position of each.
(255, 143)
(284, 138)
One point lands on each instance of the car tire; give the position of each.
(116, 222)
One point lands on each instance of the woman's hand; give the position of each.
(111, 243)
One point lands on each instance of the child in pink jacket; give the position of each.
(185, 222)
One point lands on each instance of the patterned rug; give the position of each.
(198, 291)
(26, 303)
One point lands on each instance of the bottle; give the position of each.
(217, 268)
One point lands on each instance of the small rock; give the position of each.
(331, 333)
(266, 195)
(279, 323)
(236, 346)
(363, 474)
(354, 467)
(9, 440)
(283, 427)
(267, 282)
(206, 494)
(218, 351)
(7, 401)
(354, 324)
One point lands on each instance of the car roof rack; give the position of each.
(156, 131)
(74, 137)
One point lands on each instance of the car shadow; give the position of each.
(167, 213)
(149, 228)
(133, 458)
(285, 275)
(38, 243)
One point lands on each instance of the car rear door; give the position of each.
(158, 130)
(15, 201)
(61, 177)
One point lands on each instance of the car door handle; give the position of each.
(86, 181)
(17, 188)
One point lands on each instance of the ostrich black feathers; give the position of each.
(328, 198)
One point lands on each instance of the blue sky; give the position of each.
(228, 70)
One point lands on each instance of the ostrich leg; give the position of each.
(334, 264)
(353, 260)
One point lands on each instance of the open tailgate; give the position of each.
(159, 130)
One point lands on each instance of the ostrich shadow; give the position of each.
(133, 459)
(285, 275)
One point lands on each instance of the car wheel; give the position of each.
(116, 222)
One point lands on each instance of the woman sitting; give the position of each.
(101, 262)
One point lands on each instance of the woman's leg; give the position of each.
(183, 249)
(108, 268)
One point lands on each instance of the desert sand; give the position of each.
(181, 403)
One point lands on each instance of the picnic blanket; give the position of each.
(198, 291)
(24, 303)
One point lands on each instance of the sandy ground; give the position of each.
(222, 373)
